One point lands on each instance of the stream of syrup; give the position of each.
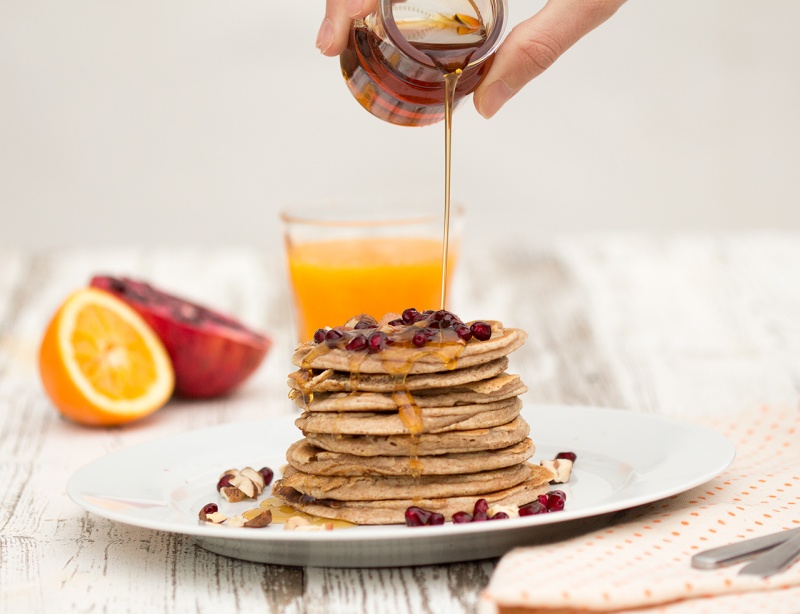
(450, 42)
(450, 82)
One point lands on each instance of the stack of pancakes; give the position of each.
(436, 427)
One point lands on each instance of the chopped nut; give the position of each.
(511, 510)
(244, 484)
(232, 494)
(208, 508)
(255, 477)
(257, 518)
(295, 522)
(216, 518)
(561, 468)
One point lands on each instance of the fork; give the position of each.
(773, 554)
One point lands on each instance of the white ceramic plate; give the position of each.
(624, 459)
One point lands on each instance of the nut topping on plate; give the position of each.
(237, 485)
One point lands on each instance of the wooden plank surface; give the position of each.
(681, 326)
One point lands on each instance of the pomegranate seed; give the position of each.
(481, 507)
(440, 315)
(567, 455)
(319, 336)
(419, 339)
(356, 344)
(450, 320)
(463, 332)
(480, 517)
(364, 324)
(417, 517)
(397, 322)
(556, 500)
(500, 516)
(543, 500)
(410, 315)
(532, 509)
(224, 481)
(267, 474)
(461, 518)
(333, 335)
(481, 330)
(209, 508)
(377, 341)
(436, 518)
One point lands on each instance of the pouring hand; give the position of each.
(335, 28)
(533, 45)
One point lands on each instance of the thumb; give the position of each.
(533, 45)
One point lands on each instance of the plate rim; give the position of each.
(389, 533)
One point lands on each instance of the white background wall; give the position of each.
(195, 121)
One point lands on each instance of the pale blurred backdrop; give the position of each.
(192, 122)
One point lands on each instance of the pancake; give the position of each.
(375, 488)
(498, 388)
(392, 511)
(412, 360)
(432, 420)
(454, 442)
(308, 458)
(328, 380)
(408, 411)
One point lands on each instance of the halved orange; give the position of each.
(101, 363)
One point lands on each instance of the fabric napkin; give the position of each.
(641, 563)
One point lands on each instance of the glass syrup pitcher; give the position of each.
(397, 56)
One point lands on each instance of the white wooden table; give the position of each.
(683, 326)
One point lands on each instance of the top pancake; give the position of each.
(328, 380)
(409, 360)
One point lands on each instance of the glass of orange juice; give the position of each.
(345, 260)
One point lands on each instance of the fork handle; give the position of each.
(775, 560)
(741, 551)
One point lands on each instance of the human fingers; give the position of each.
(339, 15)
(533, 46)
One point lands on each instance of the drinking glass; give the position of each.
(348, 259)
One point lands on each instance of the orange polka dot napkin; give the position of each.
(641, 563)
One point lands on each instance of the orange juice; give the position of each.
(332, 281)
